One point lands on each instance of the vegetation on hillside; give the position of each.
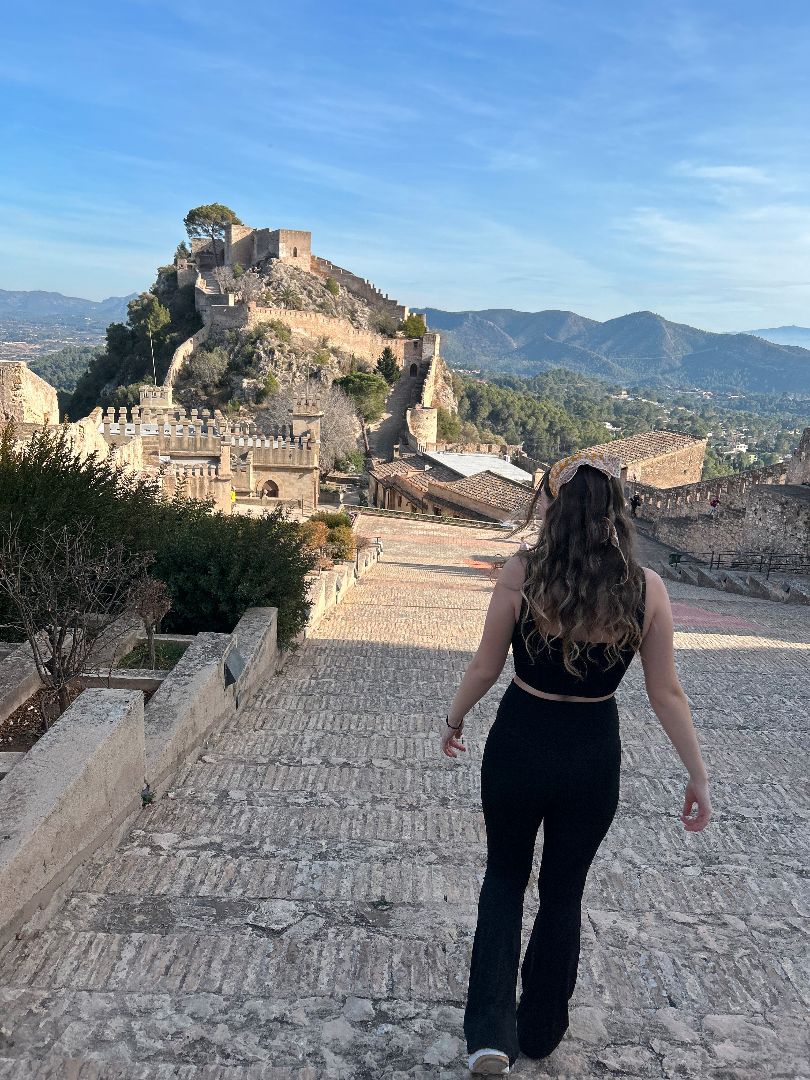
(560, 411)
(158, 321)
(639, 348)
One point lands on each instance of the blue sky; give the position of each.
(601, 157)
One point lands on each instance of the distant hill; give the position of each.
(635, 348)
(38, 305)
(786, 335)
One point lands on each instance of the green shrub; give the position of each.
(341, 542)
(167, 653)
(448, 426)
(280, 329)
(332, 518)
(333, 286)
(413, 326)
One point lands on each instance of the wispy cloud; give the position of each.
(734, 174)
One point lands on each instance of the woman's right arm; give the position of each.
(669, 702)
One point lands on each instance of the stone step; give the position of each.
(764, 589)
(355, 1038)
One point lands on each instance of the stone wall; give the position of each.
(777, 519)
(703, 533)
(201, 482)
(182, 353)
(290, 246)
(239, 245)
(339, 332)
(358, 286)
(798, 468)
(691, 500)
(25, 398)
(673, 469)
(436, 391)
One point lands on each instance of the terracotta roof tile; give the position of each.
(488, 487)
(648, 444)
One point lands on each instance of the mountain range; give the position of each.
(786, 335)
(38, 306)
(641, 347)
(638, 348)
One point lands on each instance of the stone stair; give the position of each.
(785, 590)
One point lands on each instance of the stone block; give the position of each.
(72, 788)
(19, 679)
(191, 701)
(763, 589)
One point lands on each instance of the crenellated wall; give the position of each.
(339, 332)
(436, 391)
(358, 286)
(690, 500)
(201, 482)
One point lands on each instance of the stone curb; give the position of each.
(66, 796)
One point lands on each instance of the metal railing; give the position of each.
(761, 562)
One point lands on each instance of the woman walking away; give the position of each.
(576, 607)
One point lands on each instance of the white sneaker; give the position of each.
(489, 1062)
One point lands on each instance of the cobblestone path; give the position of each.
(304, 906)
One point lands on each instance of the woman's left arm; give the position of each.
(487, 664)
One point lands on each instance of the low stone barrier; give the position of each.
(83, 779)
(19, 679)
(67, 795)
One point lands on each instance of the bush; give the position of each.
(315, 535)
(448, 426)
(341, 542)
(215, 567)
(280, 329)
(333, 286)
(332, 518)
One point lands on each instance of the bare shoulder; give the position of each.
(656, 598)
(513, 573)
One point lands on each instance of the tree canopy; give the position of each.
(209, 221)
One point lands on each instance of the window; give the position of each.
(295, 252)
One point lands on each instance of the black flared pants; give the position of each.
(557, 763)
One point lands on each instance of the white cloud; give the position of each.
(734, 174)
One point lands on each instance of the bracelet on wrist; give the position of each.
(456, 727)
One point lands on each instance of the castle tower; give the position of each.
(306, 420)
(156, 397)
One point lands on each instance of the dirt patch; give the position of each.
(31, 720)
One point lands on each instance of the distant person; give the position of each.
(553, 753)
(714, 502)
(635, 503)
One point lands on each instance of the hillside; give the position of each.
(635, 348)
(41, 306)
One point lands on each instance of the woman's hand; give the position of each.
(451, 740)
(697, 793)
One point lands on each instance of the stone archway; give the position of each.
(269, 490)
(414, 369)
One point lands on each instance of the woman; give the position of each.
(576, 607)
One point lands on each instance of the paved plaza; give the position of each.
(303, 907)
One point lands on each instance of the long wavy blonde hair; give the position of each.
(576, 578)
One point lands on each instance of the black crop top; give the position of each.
(546, 672)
